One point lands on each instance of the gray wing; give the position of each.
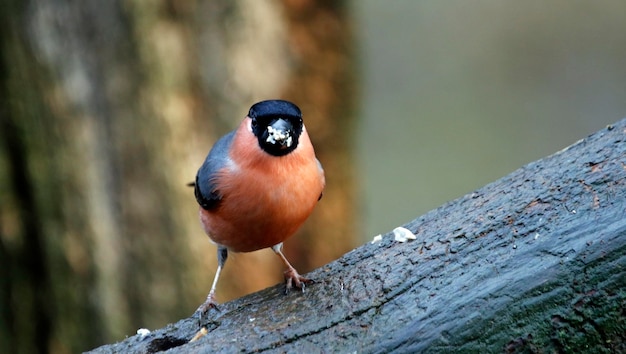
(319, 165)
(207, 194)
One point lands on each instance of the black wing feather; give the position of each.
(206, 192)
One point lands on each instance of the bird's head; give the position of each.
(277, 125)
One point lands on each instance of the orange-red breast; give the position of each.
(258, 185)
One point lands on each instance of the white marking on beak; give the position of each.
(277, 136)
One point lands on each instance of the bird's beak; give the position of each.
(279, 133)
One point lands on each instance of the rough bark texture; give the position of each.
(534, 262)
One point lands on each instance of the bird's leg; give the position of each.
(291, 274)
(222, 255)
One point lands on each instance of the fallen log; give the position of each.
(534, 262)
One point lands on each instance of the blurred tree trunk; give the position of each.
(323, 83)
(108, 109)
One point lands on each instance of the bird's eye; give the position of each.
(254, 123)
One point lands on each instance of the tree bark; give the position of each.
(534, 262)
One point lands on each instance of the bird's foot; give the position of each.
(208, 304)
(292, 278)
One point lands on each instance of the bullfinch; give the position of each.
(258, 185)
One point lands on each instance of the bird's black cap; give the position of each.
(277, 124)
(273, 108)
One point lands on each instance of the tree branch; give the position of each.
(535, 261)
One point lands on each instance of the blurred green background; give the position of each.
(456, 94)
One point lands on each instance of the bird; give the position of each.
(258, 185)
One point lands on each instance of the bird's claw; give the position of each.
(292, 278)
(203, 310)
(208, 304)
